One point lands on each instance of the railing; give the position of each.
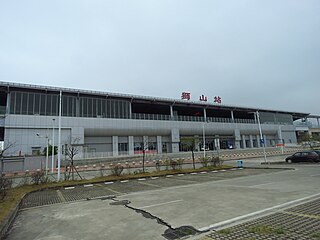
(145, 116)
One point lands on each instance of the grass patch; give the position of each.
(15, 194)
(265, 229)
(316, 235)
(225, 231)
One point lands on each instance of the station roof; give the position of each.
(148, 99)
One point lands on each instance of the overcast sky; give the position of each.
(263, 54)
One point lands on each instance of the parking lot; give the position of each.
(152, 208)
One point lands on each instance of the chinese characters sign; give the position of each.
(202, 98)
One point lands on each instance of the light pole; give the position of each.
(281, 141)
(52, 149)
(204, 142)
(47, 153)
(261, 137)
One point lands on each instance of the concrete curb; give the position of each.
(7, 222)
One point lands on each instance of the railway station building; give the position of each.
(111, 124)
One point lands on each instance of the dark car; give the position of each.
(304, 156)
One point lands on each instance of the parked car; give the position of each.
(304, 156)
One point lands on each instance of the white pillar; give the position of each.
(131, 146)
(244, 142)
(251, 141)
(115, 141)
(159, 144)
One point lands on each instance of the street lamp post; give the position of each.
(261, 137)
(52, 150)
(204, 141)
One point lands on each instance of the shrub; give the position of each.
(173, 164)
(117, 170)
(5, 185)
(216, 161)
(204, 161)
(39, 177)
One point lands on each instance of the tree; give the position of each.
(71, 150)
(50, 150)
(3, 150)
(189, 144)
(309, 140)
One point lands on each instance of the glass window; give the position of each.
(30, 103)
(36, 104)
(12, 102)
(18, 103)
(42, 104)
(24, 103)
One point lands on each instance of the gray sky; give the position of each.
(251, 53)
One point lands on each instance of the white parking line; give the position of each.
(124, 181)
(203, 172)
(169, 175)
(214, 171)
(160, 204)
(315, 175)
(68, 188)
(108, 183)
(88, 185)
(180, 175)
(259, 185)
(154, 178)
(193, 173)
(141, 179)
(222, 170)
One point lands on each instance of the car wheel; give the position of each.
(289, 161)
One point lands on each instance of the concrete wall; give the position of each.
(104, 134)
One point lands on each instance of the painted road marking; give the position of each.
(88, 185)
(180, 175)
(154, 178)
(315, 175)
(169, 175)
(214, 171)
(193, 173)
(68, 188)
(259, 185)
(203, 172)
(160, 204)
(141, 179)
(108, 183)
(124, 181)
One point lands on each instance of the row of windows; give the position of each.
(48, 105)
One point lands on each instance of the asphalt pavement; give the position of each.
(163, 208)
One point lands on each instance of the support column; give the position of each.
(115, 141)
(217, 142)
(171, 112)
(205, 114)
(232, 117)
(258, 141)
(265, 140)
(159, 144)
(146, 143)
(237, 138)
(251, 141)
(244, 142)
(8, 104)
(131, 145)
(175, 140)
(130, 110)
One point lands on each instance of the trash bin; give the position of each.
(239, 163)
